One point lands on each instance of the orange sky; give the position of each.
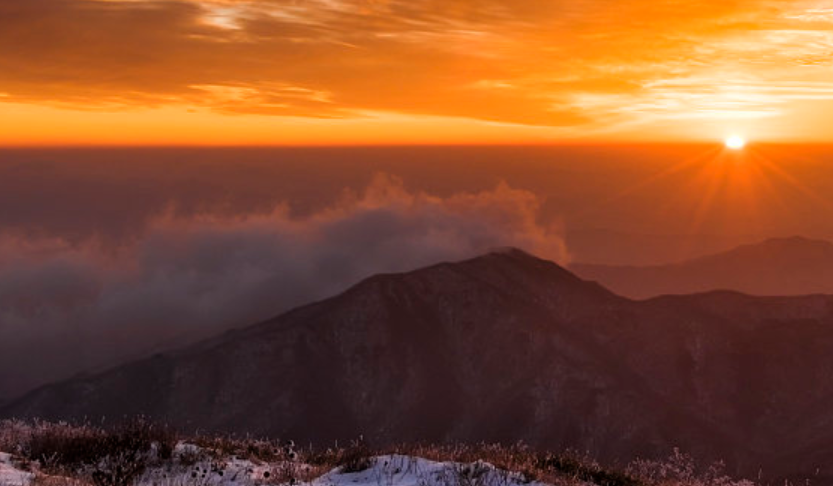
(413, 71)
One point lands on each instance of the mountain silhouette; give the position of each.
(780, 266)
(503, 347)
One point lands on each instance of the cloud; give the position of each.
(345, 58)
(65, 307)
(310, 59)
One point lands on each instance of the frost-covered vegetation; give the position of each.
(143, 454)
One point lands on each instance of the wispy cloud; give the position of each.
(528, 62)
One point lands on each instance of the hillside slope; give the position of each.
(504, 347)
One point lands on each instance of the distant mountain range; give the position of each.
(782, 266)
(611, 247)
(503, 347)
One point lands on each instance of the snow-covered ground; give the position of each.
(414, 471)
(389, 470)
(10, 475)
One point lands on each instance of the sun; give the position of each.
(735, 142)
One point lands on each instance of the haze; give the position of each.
(112, 254)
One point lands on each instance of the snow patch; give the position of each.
(397, 470)
(10, 475)
(388, 470)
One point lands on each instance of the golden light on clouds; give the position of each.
(327, 71)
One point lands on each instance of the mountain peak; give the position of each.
(513, 252)
(795, 242)
(511, 260)
(508, 269)
(518, 257)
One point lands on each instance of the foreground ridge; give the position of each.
(145, 454)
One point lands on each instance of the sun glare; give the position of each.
(735, 142)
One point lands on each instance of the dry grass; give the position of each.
(41, 479)
(66, 455)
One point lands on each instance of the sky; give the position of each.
(367, 72)
(582, 131)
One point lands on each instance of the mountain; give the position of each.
(503, 347)
(782, 266)
(612, 247)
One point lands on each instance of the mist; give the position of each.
(107, 255)
(71, 306)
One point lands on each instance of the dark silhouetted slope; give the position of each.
(504, 347)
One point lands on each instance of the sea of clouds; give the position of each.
(69, 306)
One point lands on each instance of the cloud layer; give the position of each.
(596, 65)
(69, 307)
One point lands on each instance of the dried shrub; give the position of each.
(14, 436)
(585, 469)
(108, 457)
(356, 458)
(681, 468)
(45, 480)
(256, 450)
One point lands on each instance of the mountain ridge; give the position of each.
(502, 347)
(776, 266)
